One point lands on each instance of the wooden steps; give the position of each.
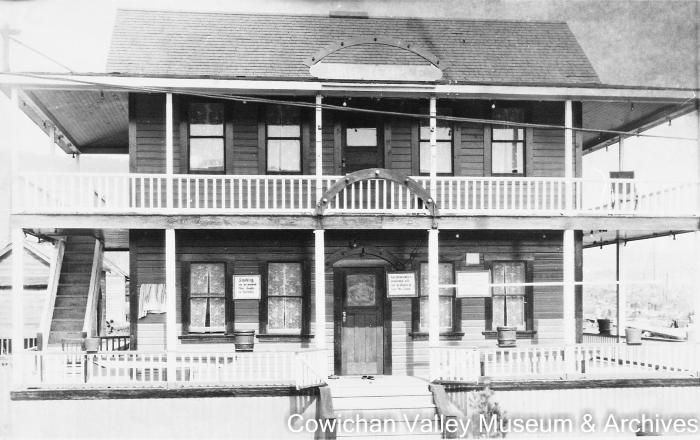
(401, 405)
(73, 286)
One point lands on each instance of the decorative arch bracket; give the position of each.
(363, 250)
(387, 41)
(377, 173)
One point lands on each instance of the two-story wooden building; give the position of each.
(344, 186)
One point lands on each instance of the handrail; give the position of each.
(94, 290)
(51, 291)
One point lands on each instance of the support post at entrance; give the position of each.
(569, 298)
(620, 294)
(320, 288)
(319, 148)
(433, 149)
(169, 156)
(17, 237)
(569, 155)
(170, 301)
(433, 298)
(694, 335)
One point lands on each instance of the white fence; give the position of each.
(579, 360)
(284, 368)
(239, 194)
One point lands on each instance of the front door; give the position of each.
(360, 293)
(362, 147)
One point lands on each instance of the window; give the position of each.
(206, 137)
(361, 136)
(447, 297)
(285, 292)
(444, 149)
(207, 297)
(508, 143)
(283, 139)
(509, 306)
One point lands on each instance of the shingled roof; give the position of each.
(224, 45)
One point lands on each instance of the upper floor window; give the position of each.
(447, 298)
(206, 137)
(283, 139)
(444, 149)
(508, 143)
(509, 305)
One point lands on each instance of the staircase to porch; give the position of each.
(401, 403)
(73, 288)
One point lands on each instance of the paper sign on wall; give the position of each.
(246, 287)
(473, 284)
(401, 284)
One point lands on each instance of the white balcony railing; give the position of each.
(578, 360)
(75, 193)
(300, 369)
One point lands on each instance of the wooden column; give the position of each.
(695, 334)
(17, 238)
(320, 288)
(169, 149)
(569, 152)
(620, 294)
(433, 297)
(170, 303)
(319, 147)
(569, 291)
(433, 148)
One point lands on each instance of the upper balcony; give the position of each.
(377, 192)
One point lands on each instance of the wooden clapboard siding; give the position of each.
(400, 143)
(469, 157)
(245, 138)
(244, 152)
(248, 249)
(147, 133)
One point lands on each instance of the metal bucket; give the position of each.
(244, 340)
(506, 336)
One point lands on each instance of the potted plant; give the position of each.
(633, 336)
(91, 345)
(244, 340)
(506, 336)
(604, 324)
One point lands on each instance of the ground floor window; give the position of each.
(284, 296)
(447, 298)
(509, 303)
(207, 297)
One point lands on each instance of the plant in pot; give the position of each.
(604, 323)
(244, 340)
(506, 336)
(633, 336)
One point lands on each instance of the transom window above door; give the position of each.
(206, 137)
(361, 136)
(283, 139)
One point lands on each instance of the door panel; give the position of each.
(362, 146)
(361, 292)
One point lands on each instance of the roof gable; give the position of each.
(276, 46)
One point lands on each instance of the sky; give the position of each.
(629, 42)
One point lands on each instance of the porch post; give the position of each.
(169, 156)
(170, 303)
(17, 237)
(319, 148)
(569, 291)
(695, 336)
(569, 154)
(433, 148)
(320, 288)
(620, 294)
(433, 299)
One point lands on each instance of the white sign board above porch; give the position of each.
(473, 284)
(246, 287)
(401, 285)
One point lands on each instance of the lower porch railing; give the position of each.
(578, 360)
(300, 369)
